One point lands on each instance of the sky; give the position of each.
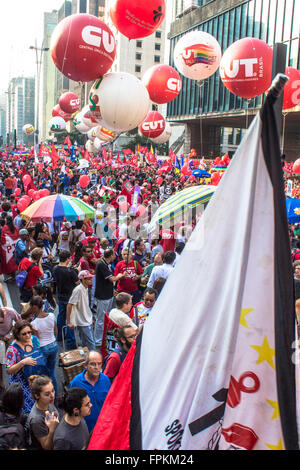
(21, 23)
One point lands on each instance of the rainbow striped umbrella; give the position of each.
(172, 209)
(58, 207)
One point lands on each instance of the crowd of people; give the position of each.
(76, 281)
(82, 279)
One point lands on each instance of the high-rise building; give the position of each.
(211, 114)
(48, 97)
(20, 107)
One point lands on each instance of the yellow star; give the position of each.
(274, 404)
(279, 446)
(265, 353)
(297, 210)
(244, 312)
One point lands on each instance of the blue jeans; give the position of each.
(61, 322)
(103, 306)
(86, 335)
(50, 352)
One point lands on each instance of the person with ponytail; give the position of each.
(72, 432)
(43, 418)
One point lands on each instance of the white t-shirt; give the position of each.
(64, 240)
(160, 271)
(45, 329)
(81, 314)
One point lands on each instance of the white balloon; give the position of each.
(98, 143)
(92, 134)
(165, 136)
(87, 117)
(90, 147)
(28, 129)
(197, 55)
(94, 102)
(124, 101)
(57, 124)
(79, 124)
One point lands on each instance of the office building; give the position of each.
(214, 118)
(20, 107)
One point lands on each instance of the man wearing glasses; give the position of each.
(95, 383)
(143, 309)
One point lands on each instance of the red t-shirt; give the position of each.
(34, 274)
(127, 284)
(168, 240)
(113, 365)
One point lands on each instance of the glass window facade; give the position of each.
(270, 20)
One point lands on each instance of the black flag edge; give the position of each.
(284, 315)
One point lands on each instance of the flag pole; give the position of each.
(278, 67)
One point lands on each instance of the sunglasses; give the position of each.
(26, 333)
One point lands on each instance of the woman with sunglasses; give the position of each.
(15, 363)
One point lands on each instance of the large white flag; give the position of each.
(214, 366)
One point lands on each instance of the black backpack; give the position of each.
(12, 432)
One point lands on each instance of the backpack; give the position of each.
(17, 255)
(22, 276)
(122, 354)
(12, 433)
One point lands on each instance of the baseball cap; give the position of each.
(85, 274)
(89, 231)
(91, 239)
(23, 231)
(68, 225)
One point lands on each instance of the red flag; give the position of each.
(104, 154)
(68, 142)
(118, 158)
(44, 151)
(54, 157)
(86, 156)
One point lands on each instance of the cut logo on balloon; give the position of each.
(199, 54)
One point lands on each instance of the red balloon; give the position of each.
(69, 102)
(137, 19)
(57, 111)
(291, 97)
(84, 181)
(82, 47)
(17, 191)
(35, 195)
(215, 178)
(30, 192)
(153, 125)
(26, 180)
(246, 67)
(296, 166)
(140, 211)
(163, 83)
(22, 204)
(192, 178)
(27, 199)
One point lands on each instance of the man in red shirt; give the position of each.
(133, 271)
(168, 239)
(35, 272)
(125, 337)
(9, 184)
